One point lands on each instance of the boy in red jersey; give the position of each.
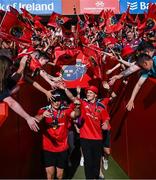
(55, 136)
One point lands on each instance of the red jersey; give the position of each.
(56, 139)
(94, 116)
(105, 102)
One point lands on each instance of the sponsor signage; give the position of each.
(96, 6)
(136, 6)
(33, 6)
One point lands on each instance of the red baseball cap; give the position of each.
(127, 50)
(93, 89)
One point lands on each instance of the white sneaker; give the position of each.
(101, 175)
(105, 164)
(82, 161)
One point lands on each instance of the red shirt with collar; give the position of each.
(56, 140)
(94, 116)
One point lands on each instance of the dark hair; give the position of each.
(41, 54)
(56, 95)
(142, 58)
(5, 64)
(145, 45)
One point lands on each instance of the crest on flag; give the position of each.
(74, 72)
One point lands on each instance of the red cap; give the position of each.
(127, 50)
(93, 89)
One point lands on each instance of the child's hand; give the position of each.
(46, 114)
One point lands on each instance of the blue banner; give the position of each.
(39, 7)
(136, 6)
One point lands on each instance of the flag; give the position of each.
(101, 19)
(13, 10)
(93, 60)
(56, 20)
(26, 15)
(12, 26)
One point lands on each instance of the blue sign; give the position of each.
(136, 6)
(74, 72)
(38, 7)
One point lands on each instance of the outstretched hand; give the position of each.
(49, 95)
(112, 80)
(130, 105)
(32, 123)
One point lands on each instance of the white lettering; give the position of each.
(44, 7)
(143, 6)
(2, 7)
(14, 5)
(28, 7)
(7, 7)
(38, 7)
(51, 7)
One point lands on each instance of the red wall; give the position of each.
(133, 133)
(20, 148)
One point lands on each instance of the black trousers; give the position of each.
(92, 152)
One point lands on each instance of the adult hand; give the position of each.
(49, 95)
(32, 123)
(130, 105)
(112, 80)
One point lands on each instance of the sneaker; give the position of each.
(105, 164)
(82, 161)
(101, 175)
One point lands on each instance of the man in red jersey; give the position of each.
(95, 119)
(55, 135)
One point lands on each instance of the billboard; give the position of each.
(136, 6)
(33, 6)
(96, 6)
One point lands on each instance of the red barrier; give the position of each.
(133, 143)
(133, 133)
(3, 112)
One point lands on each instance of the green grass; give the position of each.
(114, 172)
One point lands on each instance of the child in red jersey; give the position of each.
(55, 136)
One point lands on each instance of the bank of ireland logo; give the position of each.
(133, 6)
(74, 72)
(99, 4)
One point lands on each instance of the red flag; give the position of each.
(38, 25)
(101, 19)
(56, 20)
(13, 10)
(13, 26)
(26, 14)
(93, 56)
(66, 57)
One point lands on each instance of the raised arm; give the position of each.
(125, 73)
(43, 90)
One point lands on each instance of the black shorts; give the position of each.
(57, 159)
(106, 138)
(4, 94)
